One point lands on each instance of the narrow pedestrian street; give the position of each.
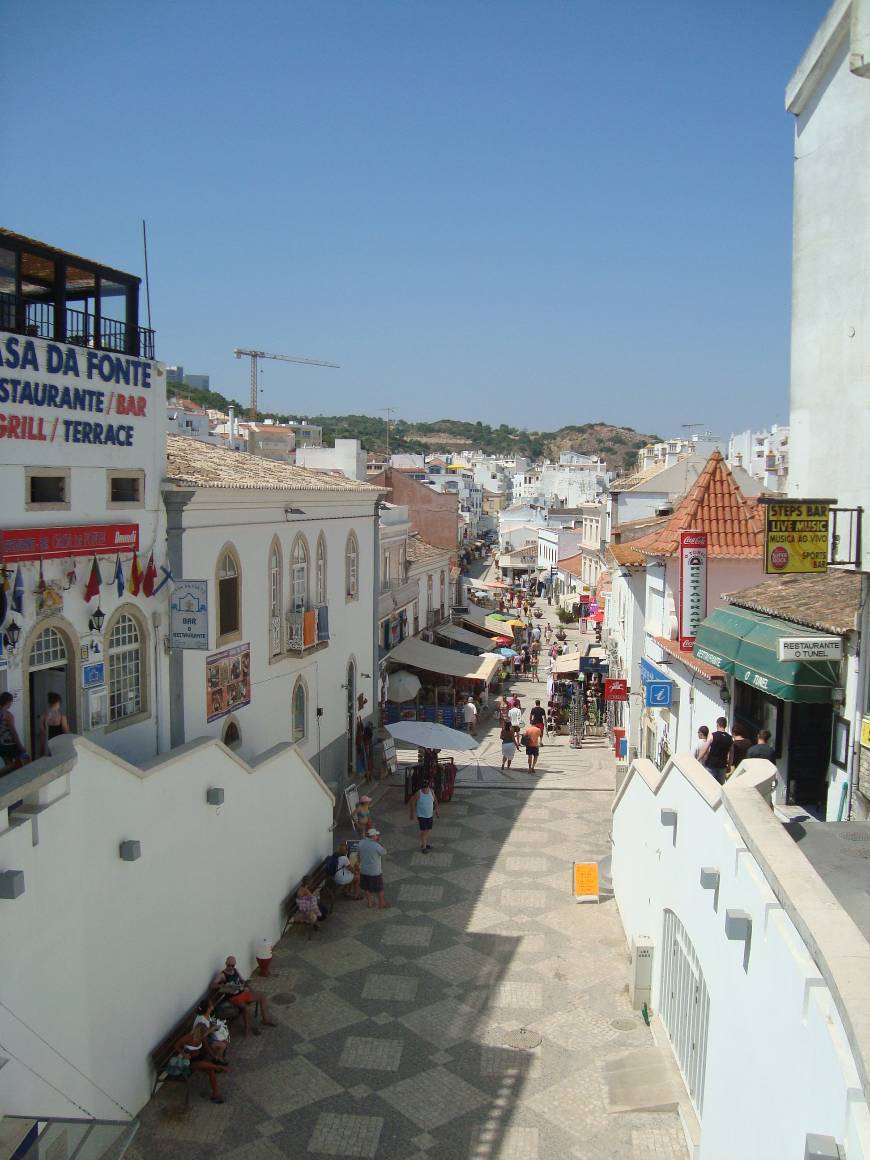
(398, 1030)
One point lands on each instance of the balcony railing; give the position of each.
(37, 319)
(306, 630)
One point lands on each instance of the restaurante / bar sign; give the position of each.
(809, 648)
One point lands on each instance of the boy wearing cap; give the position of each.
(371, 876)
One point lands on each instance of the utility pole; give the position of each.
(390, 411)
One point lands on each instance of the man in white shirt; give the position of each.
(371, 853)
(469, 713)
(515, 716)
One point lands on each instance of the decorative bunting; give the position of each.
(149, 577)
(167, 576)
(18, 591)
(95, 581)
(120, 583)
(135, 581)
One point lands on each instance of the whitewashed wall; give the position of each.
(99, 956)
(779, 1064)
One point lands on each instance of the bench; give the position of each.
(319, 881)
(163, 1052)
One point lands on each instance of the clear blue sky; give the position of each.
(536, 213)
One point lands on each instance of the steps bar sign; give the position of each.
(693, 586)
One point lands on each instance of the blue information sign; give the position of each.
(658, 694)
(93, 675)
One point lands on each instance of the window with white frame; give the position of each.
(299, 575)
(351, 568)
(125, 669)
(275, 600)
(229, 613)
(300, 711)
(320, 578)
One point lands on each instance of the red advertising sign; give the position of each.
(693, 586)
(58, 543)
(615, 690)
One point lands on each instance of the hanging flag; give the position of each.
(119, 576)
(167, 576)
(149, 577)
(95, 581)
(4, 578)
(40, 587)
(135, 581)
(18, 591)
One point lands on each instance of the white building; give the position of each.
(764, 454)
(288, 559)
(347, 457)
(556, 543)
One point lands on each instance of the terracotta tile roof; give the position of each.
(733, 522)
(571, 564)
(625, 555)
(672, 648)
(419, 552)
(192, 463)
(828, 601)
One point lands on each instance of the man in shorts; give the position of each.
(538, 717)
(230, 983)
(532, 737)
(424, 805)
(515, 716)
(371, 878)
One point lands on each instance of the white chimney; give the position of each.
(231, 425)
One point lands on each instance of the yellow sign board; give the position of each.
(586, 880)
(795, 536)
(865, 732)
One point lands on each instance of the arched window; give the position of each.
(229, 595)
(299, 575)
(300, 711)
(126, 668)
(232, 737)
(275, 599)
(351, 568)
(320, 570)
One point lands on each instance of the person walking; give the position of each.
(52, 723)
(508, 744)
(741, 742)
(532, 740)
(703, 738)
(717, 750)
(548, 632)
(12, 752)
(469, 714)
(538, 717)
(515, 716)
(762, 746)
(424, 805)
(371, 854)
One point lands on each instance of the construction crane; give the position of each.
(256, 355)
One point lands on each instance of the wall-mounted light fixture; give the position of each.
(11, 883)
(214, 796)
(95, 624)
(130, 851)
(12, 635)
(725, 695)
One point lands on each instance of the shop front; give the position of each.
(788, 680)
(447, 679)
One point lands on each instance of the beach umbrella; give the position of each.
(506, 652)
(504, 640)
(430, 735)
(402, 686)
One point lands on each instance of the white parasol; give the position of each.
(402, 686)
(430, 735)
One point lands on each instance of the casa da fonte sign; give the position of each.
(55, 394)
(796, 536)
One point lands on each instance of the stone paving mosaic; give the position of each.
(395, 1046)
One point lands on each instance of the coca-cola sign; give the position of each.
(693, 585)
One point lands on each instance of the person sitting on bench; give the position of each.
(307, 906)
(189, 1054)
(230, 983)
(217, 1035)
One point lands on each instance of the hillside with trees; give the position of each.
(618, 446)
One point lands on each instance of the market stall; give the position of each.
(447, 679)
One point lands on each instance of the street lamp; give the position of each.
(12, 635)
(95, 624)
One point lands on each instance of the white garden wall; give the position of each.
(99, 957)
(781, 1061)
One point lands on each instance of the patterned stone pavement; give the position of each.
(394, 1026)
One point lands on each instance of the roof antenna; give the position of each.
(147, 280)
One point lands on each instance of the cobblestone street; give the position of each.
(395, 1027)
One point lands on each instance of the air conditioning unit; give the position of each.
(640, 971)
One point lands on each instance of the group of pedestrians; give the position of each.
(720, 751)
(512, 734)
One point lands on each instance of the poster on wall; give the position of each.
(693, 586)
(227, 681)
(796, 536)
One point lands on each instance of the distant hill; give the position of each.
(617, 445)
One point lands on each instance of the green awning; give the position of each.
(743, 643)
